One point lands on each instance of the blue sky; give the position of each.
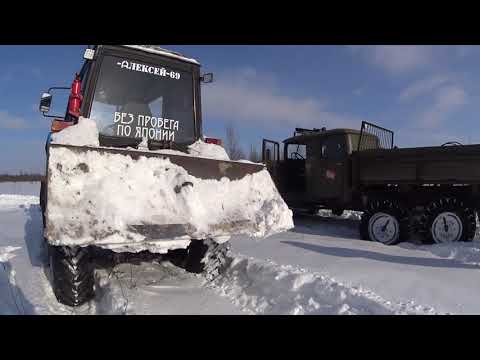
(426, 94)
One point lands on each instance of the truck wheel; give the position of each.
(208, 258)
(72, 274)
(385, 221)
(448, 220)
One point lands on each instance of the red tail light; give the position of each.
(75, 99)
(213, 141)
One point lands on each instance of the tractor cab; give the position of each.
(135, 92)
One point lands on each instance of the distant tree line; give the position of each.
(21, 177)
(234, 149)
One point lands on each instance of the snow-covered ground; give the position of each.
(20, 188)
(319, 267)
(148, 288)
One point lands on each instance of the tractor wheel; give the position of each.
(178, 257)
(208, 258)
(72, 274)
(337, 212)
(385, 221)
(448, 220)
(43, 200)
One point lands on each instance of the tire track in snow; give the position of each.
(264, 287)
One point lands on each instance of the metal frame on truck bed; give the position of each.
(430, 190)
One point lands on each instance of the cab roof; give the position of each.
(155, 49)
(318, 134)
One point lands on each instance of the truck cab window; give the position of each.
(334, 148)
(354, 139)
(323, 151)
(296, 152)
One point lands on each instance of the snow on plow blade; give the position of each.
(114, 197)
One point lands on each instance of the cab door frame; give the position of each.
(271, 164)
(326, 171)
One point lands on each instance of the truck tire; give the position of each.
(72, 274)
(448, 220)
(208, 258)
(385, 221)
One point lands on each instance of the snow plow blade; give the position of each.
(112, 197)
(203, 168)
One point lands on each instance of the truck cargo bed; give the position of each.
(422, 165)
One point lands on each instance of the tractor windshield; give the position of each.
(139, 100)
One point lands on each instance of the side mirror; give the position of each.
(45, 102)
(207, 78)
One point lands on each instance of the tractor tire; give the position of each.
(337, 212)
(448, 220)
(385, 221)
(72, 274)
(43, 200)
(178, 257)
(208, 258)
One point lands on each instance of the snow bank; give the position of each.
(13, 202)
(6, 252)
(199, 149)
(263, 287)
(84, 133)
(347, 214)
(463, 252)
(93, 195)
(212, 151)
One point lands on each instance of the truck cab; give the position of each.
(314, 169)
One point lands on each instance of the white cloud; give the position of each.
(424, 87)
(244, 95)
(439, 95)
(396, 58)
(447, 99)
(12, 122)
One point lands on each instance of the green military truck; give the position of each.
(433, 191)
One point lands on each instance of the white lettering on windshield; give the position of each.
(145, 126)
(125, 64)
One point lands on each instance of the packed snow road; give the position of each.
(149, 288)
(417, 278)
(319, 267)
